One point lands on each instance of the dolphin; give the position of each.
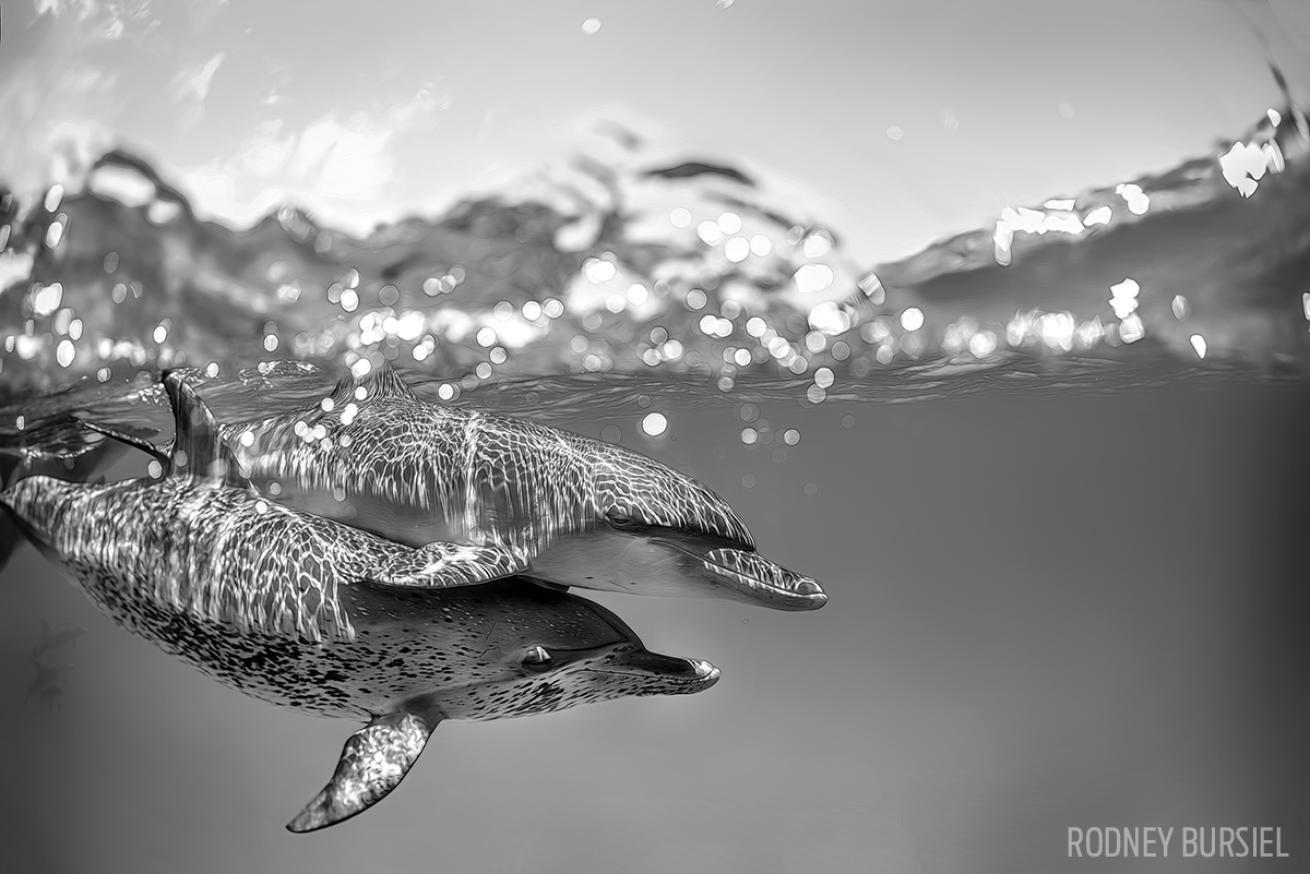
(326, 618)
(549, 504)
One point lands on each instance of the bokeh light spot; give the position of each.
(655, 424)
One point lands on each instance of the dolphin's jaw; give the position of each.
(759, 580)
(639, 672)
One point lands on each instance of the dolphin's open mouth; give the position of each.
(762, 580)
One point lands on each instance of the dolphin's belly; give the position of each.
(404, 643)
(614, 561)
(279, 669)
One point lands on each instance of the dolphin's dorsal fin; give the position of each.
(382, 382)
(198, 448)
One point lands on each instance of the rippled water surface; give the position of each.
(680, 276)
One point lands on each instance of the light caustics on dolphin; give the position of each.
(522, 497)
(323, 617)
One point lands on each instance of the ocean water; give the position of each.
(1046, 610)
(1050, 472)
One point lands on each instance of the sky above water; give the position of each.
(895, 121)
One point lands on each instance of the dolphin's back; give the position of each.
(421, 472)
(417, 472)
(218, 554)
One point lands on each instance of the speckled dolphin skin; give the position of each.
(564, 508)
(316, 615)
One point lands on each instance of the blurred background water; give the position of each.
(991, 317)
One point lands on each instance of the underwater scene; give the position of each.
(697, 437)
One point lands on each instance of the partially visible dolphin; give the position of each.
(549, 504)
(327, 618)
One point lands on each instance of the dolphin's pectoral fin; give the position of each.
(373, 762)
(439, 565)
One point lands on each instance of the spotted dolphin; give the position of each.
(327, 618)
(549, 504)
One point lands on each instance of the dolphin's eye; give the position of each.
(536, 657)
(624, 522)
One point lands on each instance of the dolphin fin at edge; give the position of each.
(382, 382)
(373, 762)
(127, 437)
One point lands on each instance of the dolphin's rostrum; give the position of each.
(327, 618)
